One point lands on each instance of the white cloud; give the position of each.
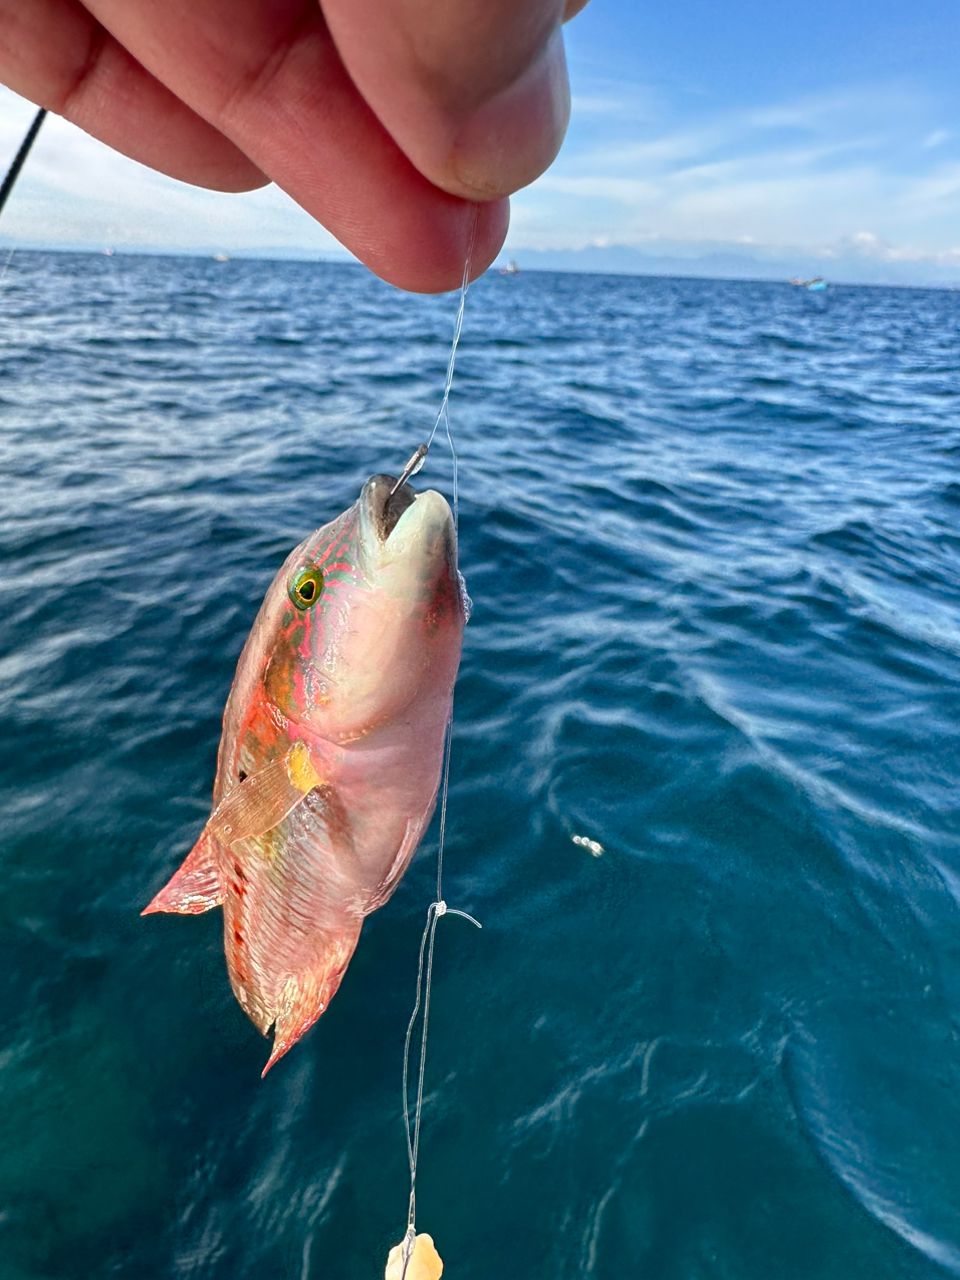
(616, 102)
(808, 173)
(941, 184)
(628, 191)
(667, 149)
(869, 245)
(74, 190)
(852, 104)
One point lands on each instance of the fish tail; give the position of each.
(195, 886)
(306, 996)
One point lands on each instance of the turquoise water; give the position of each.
(711, 532)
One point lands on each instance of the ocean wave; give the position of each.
(708, 533)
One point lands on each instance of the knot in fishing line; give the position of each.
(413, 1107)
(439, 908)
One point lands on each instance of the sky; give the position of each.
(738, 139)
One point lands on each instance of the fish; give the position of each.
(331, 752)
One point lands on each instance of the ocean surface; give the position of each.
(712, 535)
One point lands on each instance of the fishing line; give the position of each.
(438, 907)
(419, 455)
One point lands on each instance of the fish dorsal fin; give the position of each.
(263, 800)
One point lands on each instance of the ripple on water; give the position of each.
(883, 1122)
(709, 531)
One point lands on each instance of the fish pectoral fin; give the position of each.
(195, 886)
(262, 801)
(254, 806)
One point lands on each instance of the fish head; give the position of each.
(368, 616)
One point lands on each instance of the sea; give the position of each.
(703, 797)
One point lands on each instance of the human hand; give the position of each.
(384, 119)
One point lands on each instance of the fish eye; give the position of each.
(306, 588)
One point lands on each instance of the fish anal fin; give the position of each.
(195, 886)
(262, 801)
(306, 996)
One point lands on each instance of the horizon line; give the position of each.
(326, 258)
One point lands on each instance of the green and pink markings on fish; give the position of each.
(331, 752)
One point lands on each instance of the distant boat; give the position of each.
(816, 285)
(511, 269)
(221, 257)
(107, 253)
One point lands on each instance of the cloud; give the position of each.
(940, 185)
(867, 244)
(862, 175)
(74, 190)
(852, 105)
(802, 175)
(614, 100)
(631, 192)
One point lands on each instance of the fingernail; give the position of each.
(515, 136)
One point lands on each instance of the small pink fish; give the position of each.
(331, 752)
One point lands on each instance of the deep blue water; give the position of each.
(712, 536)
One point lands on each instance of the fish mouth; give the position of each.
(415, 530)
(381, 507)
